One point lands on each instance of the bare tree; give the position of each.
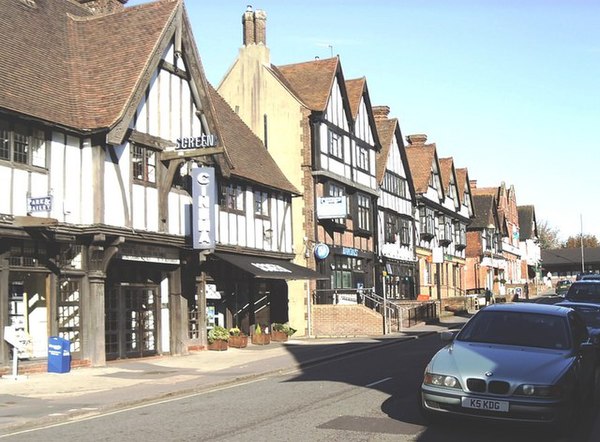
(575, 241)
(547, 235)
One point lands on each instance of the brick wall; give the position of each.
(345, 320)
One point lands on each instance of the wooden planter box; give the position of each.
(239, 341)
(278, 336)
(262, 339)
(218, 345)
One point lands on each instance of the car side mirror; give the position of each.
(447, 336)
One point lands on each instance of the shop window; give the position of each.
(68, 314)
(343, 270)
(261, 204)
(143, 164)
(22, 145)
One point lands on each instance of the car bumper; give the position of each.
(519, 410)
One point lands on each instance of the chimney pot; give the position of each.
(473, 184)
(416, 139)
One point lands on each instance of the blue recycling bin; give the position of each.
(59, 355)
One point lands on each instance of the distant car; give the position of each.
(588, 276)
(584, 290)
(562, 287)
(479, 295)
(521, 362)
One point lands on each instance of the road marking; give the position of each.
(76, 419)
(377, 382)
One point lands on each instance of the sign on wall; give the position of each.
(332, 207)
(204, 196)
(39, 204)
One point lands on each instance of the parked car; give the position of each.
(587, 276)
(562, 287)
(590, 313)
(584, 290)
(523, 362)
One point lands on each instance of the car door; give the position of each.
(586, 353)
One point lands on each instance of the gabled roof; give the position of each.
(355, 89)
(527, 222)
(86, 83)
(421, 160)
(462, 180)
(485, 212)
(446, 168)
(493, 191)
(312, 81)
(249, 156)
(386, 129)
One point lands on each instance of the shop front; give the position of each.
(246, 290)
(399, 279)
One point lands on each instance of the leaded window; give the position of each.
(23, 145)
(143, 162)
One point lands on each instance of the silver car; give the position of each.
(522, 362)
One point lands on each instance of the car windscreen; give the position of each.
(584, 291)
(517, 328)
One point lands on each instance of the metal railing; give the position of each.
(396, 315)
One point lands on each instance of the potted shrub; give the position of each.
(281, 332)
(237, 338)
(259, 337)
(217, 338)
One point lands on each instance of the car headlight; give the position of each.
(544, 391)
(440, 380)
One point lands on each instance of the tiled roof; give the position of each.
(527, 228)
(462, 179)
(484, 207)
(355, 89)
(570, 256)
(69, 72)
(420, 161)
(486, 191)
(446, 165)
(312, 80)
(386, 129)
(249, 156)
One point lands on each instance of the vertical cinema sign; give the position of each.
(203, 207)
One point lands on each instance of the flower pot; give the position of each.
(279, 336)
(238, 341)
(218, 345)
(262, 339)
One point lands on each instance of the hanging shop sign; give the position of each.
(321, 251)
(204, 195)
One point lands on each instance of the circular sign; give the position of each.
(321, 251)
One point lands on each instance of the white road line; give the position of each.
(110, 413)
(377, 382)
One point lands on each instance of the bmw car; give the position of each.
(520, 362)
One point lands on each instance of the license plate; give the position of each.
(485, 404)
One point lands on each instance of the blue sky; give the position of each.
(509, 89)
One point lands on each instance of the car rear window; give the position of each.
(584, 291)
(517, 328)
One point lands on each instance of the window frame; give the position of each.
(262, 208)
(335, 144)
(364, 212)
(148, 168)
(232, 193)
(31, 140)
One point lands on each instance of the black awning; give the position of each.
(269, 268)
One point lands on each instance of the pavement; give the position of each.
(44, 398)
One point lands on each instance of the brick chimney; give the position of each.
(416, 139)
(103, 6)
(381, 112)
(254, 27)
